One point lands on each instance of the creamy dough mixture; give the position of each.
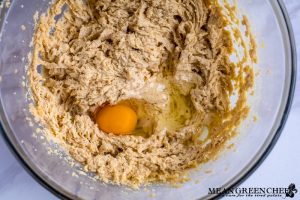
(167, 59)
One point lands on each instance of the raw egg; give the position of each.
(117, 119)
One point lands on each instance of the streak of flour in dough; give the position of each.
(193, 46)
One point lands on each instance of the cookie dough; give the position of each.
(169, 60)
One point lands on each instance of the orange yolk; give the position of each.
(117, 119)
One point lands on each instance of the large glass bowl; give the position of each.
(271, 102)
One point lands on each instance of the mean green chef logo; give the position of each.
(258, 192)
(292, 190)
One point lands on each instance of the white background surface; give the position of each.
(280, 168)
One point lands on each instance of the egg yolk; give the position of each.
(117, 119)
